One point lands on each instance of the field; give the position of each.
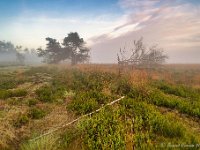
(160, 108)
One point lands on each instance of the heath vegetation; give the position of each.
(156, 111)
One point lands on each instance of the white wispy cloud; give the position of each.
(175, 26)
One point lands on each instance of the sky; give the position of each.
(106, 25)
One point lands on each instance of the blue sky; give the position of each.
(106, 25)
(13, 8)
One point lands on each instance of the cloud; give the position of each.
(137, 4)
(175, 26)
(31, 30)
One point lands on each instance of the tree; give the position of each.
(7, 47)
(52, 53)
(19, 56)
(141, 56)
(76, 48)
(73, 48)
(8, 52)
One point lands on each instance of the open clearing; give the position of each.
(161, 108)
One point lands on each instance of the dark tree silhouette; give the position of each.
(73, 48)
(9, 52)
(52, 53)
(7, 47)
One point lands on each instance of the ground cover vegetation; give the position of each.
(161, 107)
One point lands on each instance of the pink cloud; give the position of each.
(176, 28)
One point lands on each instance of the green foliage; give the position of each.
(32, 102)
(42, 70)
(7, 83)
(4, 94)
(183, 105)
(22, 119)
(55, 52)
(45, 143)
(87, 81)
(18, 93)
(149, 124)
(178, 90)
(45, 94)
(50, 93)
(36, 113)
(137, 122)
(122, 87)
(103, 131)
(68, 136)
(85, 102)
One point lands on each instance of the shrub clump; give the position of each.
(32, 102)
(85, 102)
(4, 94)
(22, 119)
(36, 113)
(50, 93)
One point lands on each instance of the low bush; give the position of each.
(148, 121)
(87, 81)
(83, 106)
(36, 113)
(50, 93)
(19, 93)
(182, 105)
(67, 138)
(44, 143)
(22, 119)
(122, 87)
(44, 94)
(103, 131)
(85, 102)
(4, 94)
(32, 102)
(178, 90)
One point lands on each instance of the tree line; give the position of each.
(72, 48)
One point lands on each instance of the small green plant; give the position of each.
(68, 136)
(45, 94)
(32, 102)
(4, 94)
(50, 93)
(19, 93)
(36, 113)
(45, 143)
(183, 105)
(122, 87)
(85, 102)
(83, 106)
(22, 119)
(103, 131)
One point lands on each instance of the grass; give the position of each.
(190, 107)
(4, 94)
(156, 111)
(46, 143)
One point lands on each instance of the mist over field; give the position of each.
(173, 24)
(99, 74)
